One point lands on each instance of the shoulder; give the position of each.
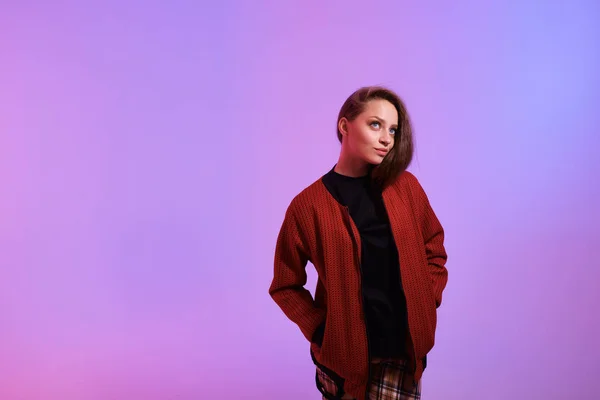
(410, 179)
(303, 209)
(308, 198)
(407, 183)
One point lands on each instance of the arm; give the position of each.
(433, 235)
(287, 288)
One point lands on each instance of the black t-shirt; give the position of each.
(385, 304)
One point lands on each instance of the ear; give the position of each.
(343, 126)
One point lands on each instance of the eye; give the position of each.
(393, 131)
(375, 124)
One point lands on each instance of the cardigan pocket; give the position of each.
(330, 384)
(317, 337)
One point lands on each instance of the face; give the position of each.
(370, 136)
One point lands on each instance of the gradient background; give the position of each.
(148, 152)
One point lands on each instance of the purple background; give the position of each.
(149, 150)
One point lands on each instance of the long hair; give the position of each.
(400, 156)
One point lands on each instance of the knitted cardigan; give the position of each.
(318, 229)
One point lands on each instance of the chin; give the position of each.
(370, 159)
(375, 160)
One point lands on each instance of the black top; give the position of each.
(385, 304)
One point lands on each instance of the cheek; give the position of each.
(361, 140)
(365, 138)
(363, 144)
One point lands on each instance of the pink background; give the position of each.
(148, 151)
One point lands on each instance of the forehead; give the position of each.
(382, 109)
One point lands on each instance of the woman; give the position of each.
(369, 230)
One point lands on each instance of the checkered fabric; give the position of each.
(389, 381)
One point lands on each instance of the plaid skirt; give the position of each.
(390, 380)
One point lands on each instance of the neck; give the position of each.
(351, 167)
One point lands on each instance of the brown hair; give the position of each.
(401, 154)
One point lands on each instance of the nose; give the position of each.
(385, 140)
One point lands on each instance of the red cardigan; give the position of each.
(318, 229)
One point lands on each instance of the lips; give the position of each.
(381, 152)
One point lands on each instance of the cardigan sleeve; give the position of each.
(287, 287)
(433, 235)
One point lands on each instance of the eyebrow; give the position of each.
(382, 120)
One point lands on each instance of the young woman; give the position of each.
(369, 230)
